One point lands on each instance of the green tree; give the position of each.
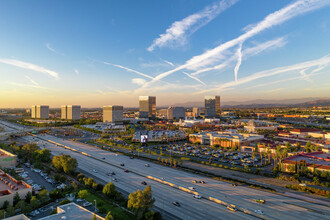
(17, 198)
(10, 210)
(34, 202)
(28, 197)
(140, 202)
(43, 195)
(108, 216)
(29, 149)
(109, 190)
(43, 155)
(64, 163)
(83, 193)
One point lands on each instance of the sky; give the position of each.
(96, 53)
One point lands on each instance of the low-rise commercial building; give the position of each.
(224, 139)
(10, 186)
(7, 159)
(255, 125)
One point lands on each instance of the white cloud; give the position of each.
(266, 73)
(53, 50)
(129, 70)
(138, 81)
(76, 71)
(194, 77)
(29, 66)
(25, 85)
(251, 51)
(297, 8)
(239, 61)
(32, 81)
(168, 62)
(176, 35)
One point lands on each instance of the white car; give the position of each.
(197, 196)
(192, 188)
(259, 212)
(302, 184)
(87, 204)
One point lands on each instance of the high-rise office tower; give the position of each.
(147, 106)
(40, 111)
(212, 106)
(113, 113)
(176, 113)
(70, 112)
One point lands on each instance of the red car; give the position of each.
(126, 171)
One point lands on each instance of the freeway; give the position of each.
(130, 182)
(278, 206)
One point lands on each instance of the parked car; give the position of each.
(147, 165)
(87, 204)
(126, 171)
(122, 164)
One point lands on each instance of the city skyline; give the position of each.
(110, 53)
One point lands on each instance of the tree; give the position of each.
(10, 210)
(83, 193)
(109, 190)
(43, 155)
(108, 216)
(17, 198)
(28, 197)
(43, 195)
(34, 202)
(64, 163)
(140, 201)
(253, 156)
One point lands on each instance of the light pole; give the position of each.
(95, 204)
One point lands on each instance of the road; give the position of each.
(130, 182)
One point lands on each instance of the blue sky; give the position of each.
(97, 53)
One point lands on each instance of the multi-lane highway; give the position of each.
(190, 208)
(100, 162)
(277, 206)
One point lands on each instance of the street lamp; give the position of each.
(95, 204)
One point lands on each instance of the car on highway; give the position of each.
(114, 179)
(260, 201)
(147, 165)
(302, 184)
(192, 188)
(197, 196)
(95, 171)
(126, 171)
(259, 212)
(234, 184)
(176, 204)
(122, 164)
(86, 204)
(143, 183)
(131, 157)
(203, 182)
(196, 181)
(103, 158)
(231, 208)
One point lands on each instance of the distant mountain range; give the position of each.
(262, 103)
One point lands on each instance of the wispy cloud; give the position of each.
(25, 85)
(76, 71)
(194, 77)
(128, 69)
(138, 81)
(248, 52)
(266, 73)
(239, 60)
(292, 10)
(176, 34)
(29, 66)
(32, 81)
(53, 50)
(168, 62)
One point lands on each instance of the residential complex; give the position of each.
(40, 111)
(147, 106)
(70, 112)
(176, 113)
(113, 113)
(212, 106)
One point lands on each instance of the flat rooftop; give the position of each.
(72, 211)
(8, 183)
(320, 158)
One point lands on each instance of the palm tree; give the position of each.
(253, 156)
(261, 155)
